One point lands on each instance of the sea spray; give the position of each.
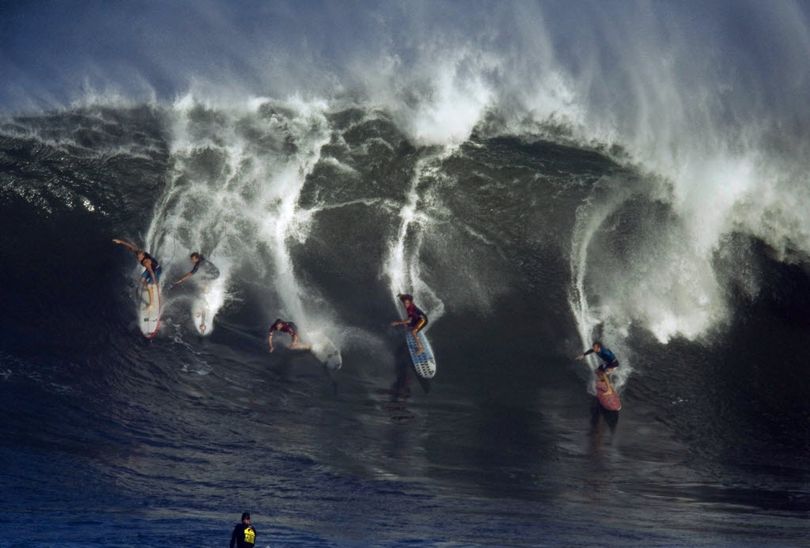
(233, 193)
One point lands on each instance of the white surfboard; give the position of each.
(208, 299)
(201, 315)
(327, 353)
(424, 362)
(149, 317)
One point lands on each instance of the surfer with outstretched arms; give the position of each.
(280, 326)
(416, 320)
(609, 361)
(208, 270)
(152, 270)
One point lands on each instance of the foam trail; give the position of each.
(280, 220)
(290, 222)
(402, 267)
(238, 173)
(590, 217)
(188, 216)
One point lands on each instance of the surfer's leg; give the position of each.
(146, 280)
(419, 347)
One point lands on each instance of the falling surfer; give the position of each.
(280, 326)
(416, 320)
(151, 274)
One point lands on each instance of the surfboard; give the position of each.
(201, 315)
(149, 318)
(327, 353)
(424, 363)
(607, 396)
(208, 299)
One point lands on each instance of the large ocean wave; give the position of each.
(537, 176)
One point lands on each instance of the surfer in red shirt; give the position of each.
(289, 328)
(416, 320)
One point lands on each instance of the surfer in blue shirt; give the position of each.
(209, 271)
(416, 320)
(151, 273)
(609, 361)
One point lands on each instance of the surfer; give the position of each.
(289, 328)
(416, 320)
(151, 274)
(199, 263)
(609, 361)
(244, 535)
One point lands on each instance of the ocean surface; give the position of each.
(677, 242)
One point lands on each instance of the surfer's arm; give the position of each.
(400, 322)
(183, 279)
(582, 356)
(126, 244)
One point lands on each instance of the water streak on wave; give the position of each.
(234, 190)
(402, 266)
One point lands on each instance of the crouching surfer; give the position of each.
(608, 358)
(608, 364)
(416, 320)
(151, 272)
(206, 268)
(280, 326)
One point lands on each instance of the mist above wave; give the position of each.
(707, 99)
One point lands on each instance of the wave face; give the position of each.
(707, 100)
(322, 214)
(537, 176)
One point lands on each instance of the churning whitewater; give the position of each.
(539, 177)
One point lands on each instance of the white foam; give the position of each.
(720, 115)
(234, 193)
(402, 267)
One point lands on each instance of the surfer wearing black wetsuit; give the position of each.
(416, 320)
(289, 328)
(207, 269)
(609, 361)
(151, 273)
(244, 535)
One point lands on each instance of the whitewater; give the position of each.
(538, 176)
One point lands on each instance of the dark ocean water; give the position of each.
(108, 439)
